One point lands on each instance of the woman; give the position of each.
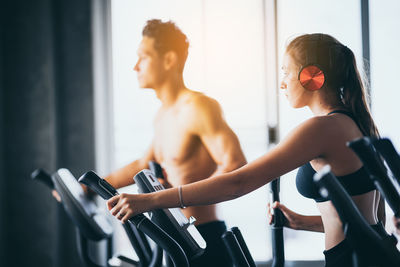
(336, 98)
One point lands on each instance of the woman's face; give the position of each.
(293, 90)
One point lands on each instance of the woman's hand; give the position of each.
(296, 221)
(292, 220)
(125, 206)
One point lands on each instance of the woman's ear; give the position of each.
(170, 60)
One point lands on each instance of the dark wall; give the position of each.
(28, 133)
(46, 121)
(2, 192)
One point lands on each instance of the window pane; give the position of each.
(234, 75)
(385, 55)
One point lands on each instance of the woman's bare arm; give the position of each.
(302, 145)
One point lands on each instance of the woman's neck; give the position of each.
(322, 104)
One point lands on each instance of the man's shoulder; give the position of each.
(199, 102)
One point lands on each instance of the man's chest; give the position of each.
(173, 138)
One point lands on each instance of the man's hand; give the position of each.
(396, 222)
(56, 195)
(164, 183)
(89, 192)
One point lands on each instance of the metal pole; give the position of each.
(366, 41)
(272, 87)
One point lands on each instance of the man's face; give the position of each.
(149, 67)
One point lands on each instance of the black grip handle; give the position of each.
(234, 249)
(42, 176)
(278, 248)
(98, 185)
(385, 147)
(243, 246)
(377, 171)
(279, 219)
(156, 169)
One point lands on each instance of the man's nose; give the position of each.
(283, 85)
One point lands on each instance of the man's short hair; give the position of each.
(167, 37)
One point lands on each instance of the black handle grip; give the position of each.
(98, 185)
(42, 176)
(234, 249)
(278, 248)
(156, 169)
(377, 171)
(385, 147)
(279, 219)
(243, 246)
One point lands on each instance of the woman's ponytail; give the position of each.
(354, 96)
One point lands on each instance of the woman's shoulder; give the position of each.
(319, 123)
(325, 128)
(331, 130)
(330, 122)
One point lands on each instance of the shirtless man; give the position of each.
(192, 141)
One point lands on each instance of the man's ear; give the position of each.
(170, 60)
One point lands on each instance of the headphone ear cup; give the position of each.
(311, 77)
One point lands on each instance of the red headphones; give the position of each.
(311, 76)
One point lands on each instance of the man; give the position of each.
(192, 141)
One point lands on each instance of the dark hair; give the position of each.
(339, 65)
(167, 37)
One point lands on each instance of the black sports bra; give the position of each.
(355, 183)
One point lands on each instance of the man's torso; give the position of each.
(182, 153)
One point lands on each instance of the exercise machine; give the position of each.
(94, 230)
(190, 241)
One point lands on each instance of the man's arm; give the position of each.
(124, 176)
(219, 139)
